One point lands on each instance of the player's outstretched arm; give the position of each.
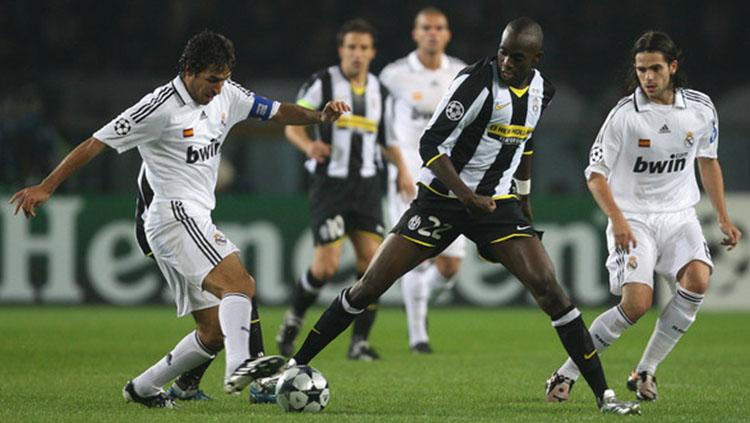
(602, 194)
(292, 114)
(36, 195)
(477, 205)
(713, 183)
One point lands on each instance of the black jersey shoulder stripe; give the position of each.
(321, 75)
(153, 100)
(548, 91)
(240, 87)
(137, 117)
(697, 94)
(476, 79)
(700, 100)
(468, 142)
(182, 100)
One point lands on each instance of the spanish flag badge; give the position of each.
(187, 133)
(644, 143)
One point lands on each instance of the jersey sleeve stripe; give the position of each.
(145, 113)
(151, 102)
(240, 87)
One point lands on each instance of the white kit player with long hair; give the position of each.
(179, 130)
(641, 174)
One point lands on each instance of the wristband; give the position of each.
(523, 187)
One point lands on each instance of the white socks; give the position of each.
(187, 354)
(416, 292)
(605, 330)
(674, 321)
(234, 318)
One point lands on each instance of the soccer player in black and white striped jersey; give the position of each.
(345, 191)
(179, 129)
(477, 141)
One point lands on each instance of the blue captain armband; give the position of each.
(262, 108)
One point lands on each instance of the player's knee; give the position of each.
(696, 277)
(324, 268)
(548, 293)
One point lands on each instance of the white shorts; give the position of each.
(666, 243)
(397, 206)
(186, 249)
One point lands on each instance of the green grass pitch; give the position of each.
(69, 364)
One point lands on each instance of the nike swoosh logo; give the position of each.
(589, 355)
(522, 228)
(501, 106)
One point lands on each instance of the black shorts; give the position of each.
(341, 206)
(434, 222)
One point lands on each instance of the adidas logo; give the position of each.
(665, 130)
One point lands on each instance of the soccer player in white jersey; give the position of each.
(416, 84)
(179, 130)
(641, 174)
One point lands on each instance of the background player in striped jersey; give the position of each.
(641, 174)
(345, 192)
(472, 148)
(416, 83)
(179, 130)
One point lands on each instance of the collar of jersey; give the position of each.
(418, 66)
(182, 92)
(642, 103)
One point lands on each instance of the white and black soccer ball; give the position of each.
(302, 388)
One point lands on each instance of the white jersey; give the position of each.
(180, 141)
(647, 151)
(415, 91)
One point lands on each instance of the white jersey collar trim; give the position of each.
(418, 66)
(182, 91)
(642, 103)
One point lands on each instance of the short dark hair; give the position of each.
(429, 10)
(357, 25)
(205, 50)
(656, 41)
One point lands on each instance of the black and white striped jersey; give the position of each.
(355, 136)
(485, 127)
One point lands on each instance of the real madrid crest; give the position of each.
(224, 118)
(632, 263)
(689, 139)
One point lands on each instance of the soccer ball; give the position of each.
(302, 388)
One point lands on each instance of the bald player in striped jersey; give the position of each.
(473, 147)
(416, 84)
(179, 130)
(641, 174)
(345, 191)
